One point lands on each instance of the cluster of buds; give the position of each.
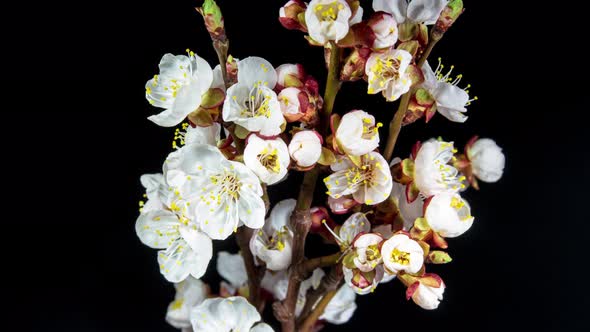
(298, 94)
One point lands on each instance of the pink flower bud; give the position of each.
(290, 105)
(292, 15)
(306, 148)
(384, 31)
(290, 75)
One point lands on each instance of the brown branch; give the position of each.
(300, 218)
(326, 291)
(255, 274)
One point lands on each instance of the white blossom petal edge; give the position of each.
(226, 315)
(415, 11)
(179, 87)
(189, 293)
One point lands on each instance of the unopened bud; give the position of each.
(292, 15)
(448, 17)
(213, 19)
(354, 65)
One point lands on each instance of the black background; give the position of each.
(76, 140)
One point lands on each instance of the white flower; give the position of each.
(387, 73)
(400, 253)
(358, 134)
(306, 148)
(448, 214)
(220, 194)
(366, 251)
(369, 183)
(428, 297)
(226, 315)
(327, 20)
(273, 243)
(384, 27)
(189, 293)
(450, 99)
(415, 11)
(156, 191)
(363, 282)
(187, 250)
(487, 160)
(267, 158)
(179, 87)
(231, 267)
(251, 103)
(341, 308)
(432, 174)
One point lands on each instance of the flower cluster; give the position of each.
(246, 125)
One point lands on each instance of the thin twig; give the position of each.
(326, 291)
(300, 218)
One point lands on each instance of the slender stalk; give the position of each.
(300, 218)
(330, 282)
(395, 125)
(243, 236)
(317, 312)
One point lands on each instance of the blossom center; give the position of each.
(257, 104)
(370, 129)
(373, 253)
(364, 175)
(276, 241)
(227, 184)
(387, 69)
(400, 257)
(328, 12)
(270, 160)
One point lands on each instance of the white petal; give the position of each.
(203, 135)
(397, 8)
(281, 214)
(179, 261)
(341, 307)
(218, 82)
(231, 268)
(425, 11)
(224, 315)
(252, 70)
(251, 209)
(358, 16)
(188, 99)
(202, 247)
(262, 327)
(203, 74)
(430, 80)
(354, 225)
(157, 229)
(189, 293)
